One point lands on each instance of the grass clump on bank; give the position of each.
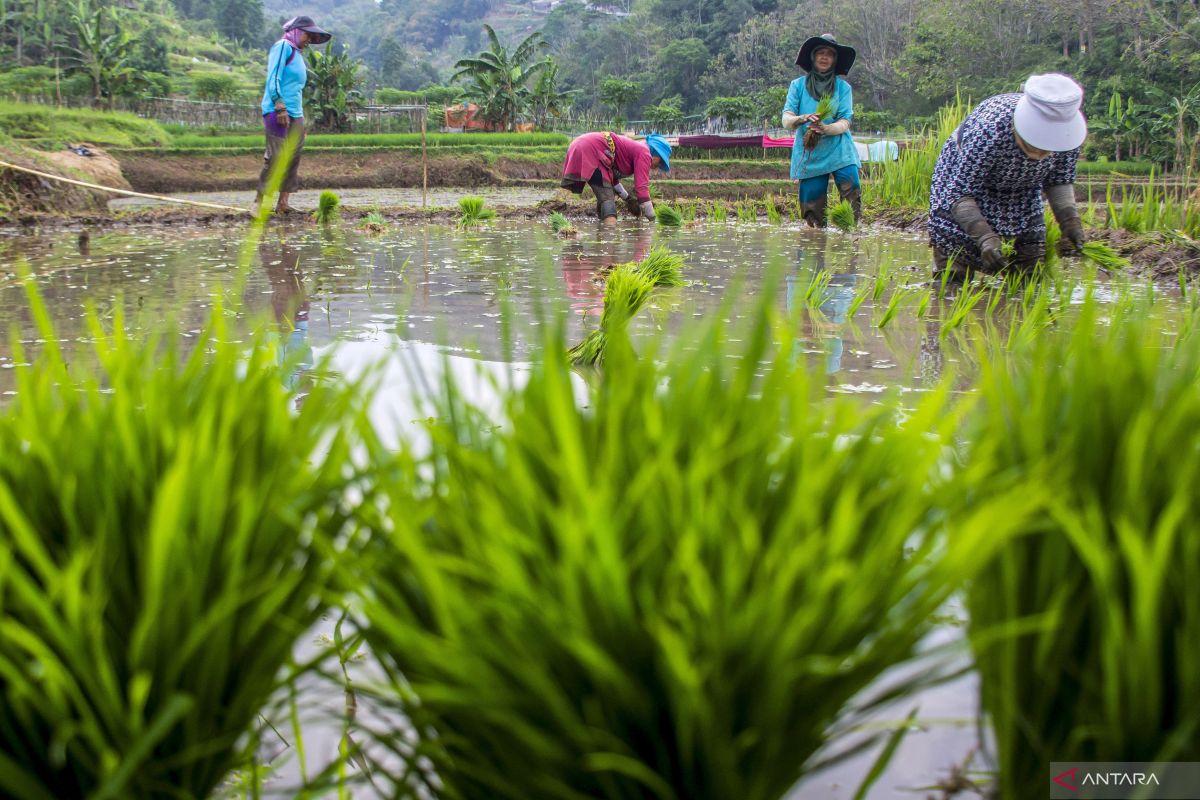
(48, 128)
(157, 558)
(637, 621)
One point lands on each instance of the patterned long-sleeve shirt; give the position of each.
(983, 160)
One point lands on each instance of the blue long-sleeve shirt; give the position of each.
(832, 152)
(286, 76)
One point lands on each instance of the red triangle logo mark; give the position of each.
(1067, 779)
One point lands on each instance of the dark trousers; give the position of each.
(277, 146)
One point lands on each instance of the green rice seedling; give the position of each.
(661, 267)
(1053, 236)
(899, 297)
(1008, 249)
(473, 212)
(610, 637)
(1104, 256)
(841, 214)
(668, 216)
(883, 279)
(717, 212)
(923, 303)
(824, 110)
(687, 210)
(964, 303)
(1086, 623)
(328, 208)
(747, 212)
(861, 295)
(773, 215)
(816, 293)
(157, 555)
(561, 225)
(625, 292)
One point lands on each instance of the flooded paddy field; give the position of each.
(481, 299)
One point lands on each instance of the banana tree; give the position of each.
(546, 99)
(333, 87)
(498, 80)
(98, 53)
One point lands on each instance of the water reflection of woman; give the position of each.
(584, 267)
(289, 302)
(829, 325)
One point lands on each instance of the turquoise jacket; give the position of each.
(286, 76)
(832, 152)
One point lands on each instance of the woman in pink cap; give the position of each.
(992, 172)
(600, 160)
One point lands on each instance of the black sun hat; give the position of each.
(315, 35)
(845, 53)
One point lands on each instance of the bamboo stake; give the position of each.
(424, 161)
(126, 192)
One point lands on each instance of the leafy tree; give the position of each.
(333, 87)
(680, 65)
(619, 94)
(666, 115)
(733, 109)
(498, 80)
(241, 20)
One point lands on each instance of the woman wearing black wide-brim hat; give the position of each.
(823, 146)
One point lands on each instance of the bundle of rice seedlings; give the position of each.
(1104, 256)
(473, 211)
(374, 222)
(561, 225)
(625, 293)
(841, 214)
(824, 110)
(328, 208)
(662, 267)
(1008, 249)
(668, 216)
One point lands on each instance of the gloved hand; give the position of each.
(648, 210)
(1073, 237)
(991, 254)
(620, 191)
(966, 213)
(632, 205)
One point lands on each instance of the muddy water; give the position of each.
(415, 293)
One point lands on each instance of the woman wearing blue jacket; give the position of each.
(823, 147)
(283, 106)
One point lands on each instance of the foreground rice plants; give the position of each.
(682, 585)
(157, 559)
(1086, 623)
(625, 292)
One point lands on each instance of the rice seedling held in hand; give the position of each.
(662, 267)
(1104, 256)
(473, 211)
(609, 638)
(156, 537)
(561, 225)
(824, 111)
(1086, 623)
(841, 214)
(668, 216)
(625, 292)
(328, 208)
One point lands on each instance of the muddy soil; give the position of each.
(24, 196)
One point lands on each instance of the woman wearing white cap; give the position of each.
(992, 171)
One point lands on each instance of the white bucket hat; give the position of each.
(1048, 115)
